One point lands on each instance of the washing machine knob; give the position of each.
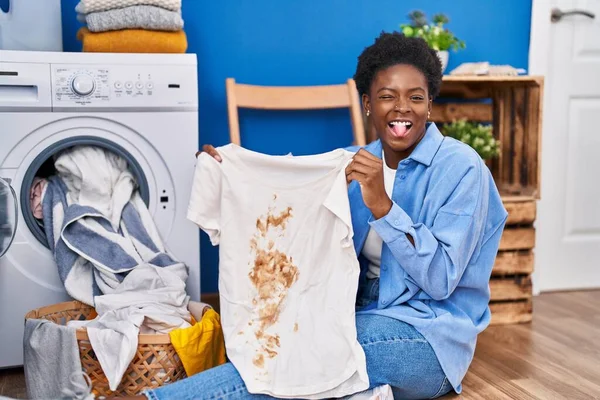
(83, 85)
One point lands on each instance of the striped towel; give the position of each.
(97, 225)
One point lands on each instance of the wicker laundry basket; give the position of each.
(155, 363)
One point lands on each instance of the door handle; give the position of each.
(557, 14)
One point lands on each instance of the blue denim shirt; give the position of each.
(444, 196)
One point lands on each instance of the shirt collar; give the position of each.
(428, 146)
(425, 150)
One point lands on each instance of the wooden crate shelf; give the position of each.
(510, 284)
(516, 287)
(448, 112)
(518, 238)
(513, 263)
(521, 210)
(511, 312)
(513, 105)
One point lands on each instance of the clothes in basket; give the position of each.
(201, 346)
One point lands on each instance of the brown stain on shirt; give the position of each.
(272, 273)
(272, 221)
(259, 361)
(273, 341)
(270, 353)
(296, 327)
(279, 220)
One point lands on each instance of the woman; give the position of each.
(427, 221)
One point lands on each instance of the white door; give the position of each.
(567, 52)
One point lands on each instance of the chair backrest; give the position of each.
(293, 98)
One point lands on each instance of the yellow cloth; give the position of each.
(133, 41)
(201, 346)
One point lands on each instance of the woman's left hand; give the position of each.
(367, 170)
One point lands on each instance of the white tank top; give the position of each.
(372, 248)
(288, 272)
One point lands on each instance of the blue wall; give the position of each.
(292, 42)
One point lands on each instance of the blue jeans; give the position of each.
(396, 355)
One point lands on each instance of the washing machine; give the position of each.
(144, 107)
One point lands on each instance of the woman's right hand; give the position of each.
(207, 148)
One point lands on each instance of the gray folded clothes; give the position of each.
(90, 6)
(134, 17)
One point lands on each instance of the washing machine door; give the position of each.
(8, 215)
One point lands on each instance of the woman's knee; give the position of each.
(398, 355)
(408, 365)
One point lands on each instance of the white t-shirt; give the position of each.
(372, 248)
(288, 272)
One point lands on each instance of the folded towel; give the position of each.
(133, 41)
(142, 17)
(90, 6)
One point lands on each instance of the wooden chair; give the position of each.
(293, 98)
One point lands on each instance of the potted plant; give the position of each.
(437, 37)
(476, 135)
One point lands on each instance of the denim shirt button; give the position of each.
(397, 222)
(384, 302)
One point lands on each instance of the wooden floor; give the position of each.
(12, 383)
(557, 356)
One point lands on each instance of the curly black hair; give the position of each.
(395, 48)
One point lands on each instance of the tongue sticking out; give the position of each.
(399, 130)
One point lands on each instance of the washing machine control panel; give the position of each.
(81, 85)
(124, 87)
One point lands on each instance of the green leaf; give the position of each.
(434, 34)
(440, 19)
(479, 136)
